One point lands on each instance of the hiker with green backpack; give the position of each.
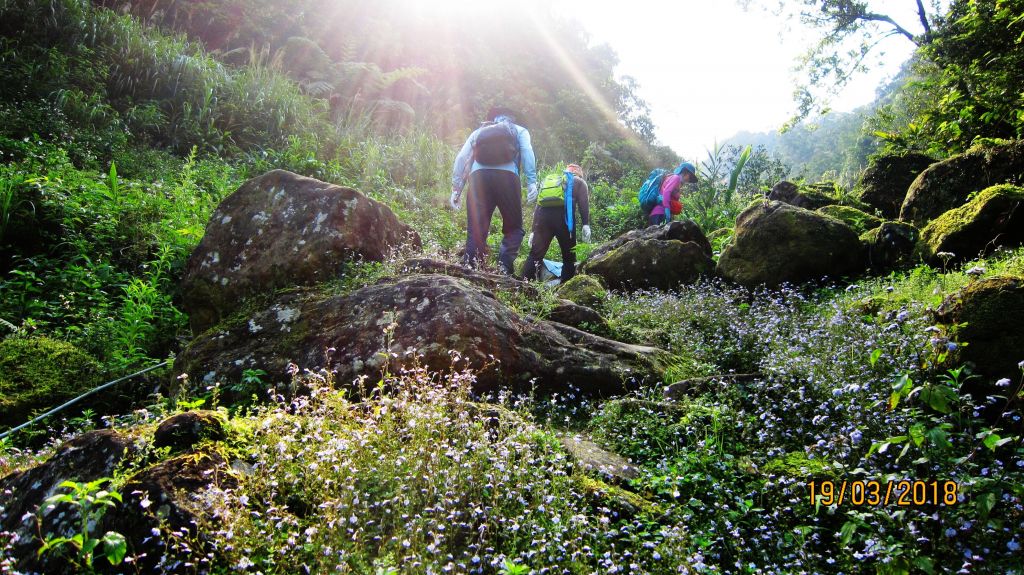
(560, 197)
(660, 197)
(490, 161)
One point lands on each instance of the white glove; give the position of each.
(586, 234)
(531, 193)
(529, 241)
(454, 200)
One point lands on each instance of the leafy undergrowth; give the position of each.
(851, 386)
(854, 386)
(418, 478)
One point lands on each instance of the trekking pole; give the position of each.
(79, 398)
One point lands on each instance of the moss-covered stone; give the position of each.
(183, 431)
(652, 264)
(989, 315)
(626, 503)
(38, 373)
(890, 245)
(950, 183)
(777, 243)
(995, 217)
(279, 230)
(435, 315)
(883, 185)
(856, 219)
(584, 290)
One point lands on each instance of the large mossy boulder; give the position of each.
(420, 319)
(890, 246)
(858, 220)
(652, 264)
(680, 231)
(281, 230)
(988, 315)
(777, 243)
(950, 183)
(657, 257)
(38, 373)
(993, 218)
(883, 185)
(809, 197)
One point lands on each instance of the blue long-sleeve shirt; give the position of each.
(460, 173)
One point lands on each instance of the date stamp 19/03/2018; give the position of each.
(900, 493)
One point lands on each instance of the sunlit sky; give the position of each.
(708, 69)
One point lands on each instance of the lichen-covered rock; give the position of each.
(949, 184)
(183, 431)
(160, 503)
(651, 264)
(169, 498)
(86, 458)
(281, 230)
(995, 217)
(592, 457)
(808, 197)
(658, 257)
(858, 220)
(989, 314)
(697, 386)
(777, 243)
(417, 319)
(883, 185)
(681, 231)
(578, 316)
(38, 373)
(890, 245)
(583, 289)
(479, 278)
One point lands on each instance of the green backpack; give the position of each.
(552, 191)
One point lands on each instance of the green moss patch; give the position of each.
(38, 373)
(583, 290)
(856, 219)
(994, 217)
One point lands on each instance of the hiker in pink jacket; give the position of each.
(662, 212)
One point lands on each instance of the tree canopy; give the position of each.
(434, 66)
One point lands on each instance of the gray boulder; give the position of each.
(658, 257)
(416, 320)
(281, 230)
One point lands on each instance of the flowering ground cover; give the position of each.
(855, 386)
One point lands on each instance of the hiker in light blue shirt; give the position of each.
(490, 162)
(529, 162)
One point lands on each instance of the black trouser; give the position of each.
(550, 223)
(491, 189)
